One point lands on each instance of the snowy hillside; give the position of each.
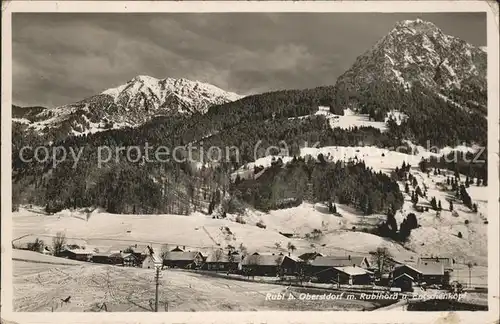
(438, 235)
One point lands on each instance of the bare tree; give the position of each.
(58, 243)
(382, 258)
(36, 246)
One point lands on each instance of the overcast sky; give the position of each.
(60, 58)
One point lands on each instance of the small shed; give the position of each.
(404, 281)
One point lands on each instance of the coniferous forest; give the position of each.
(122, 186)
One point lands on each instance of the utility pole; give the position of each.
(469, 276)
(157, 279)
(469, 265)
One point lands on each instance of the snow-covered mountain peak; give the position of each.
(156, 91)
(133, 103)
(417, 24)
(418, 51)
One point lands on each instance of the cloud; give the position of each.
(62, 58)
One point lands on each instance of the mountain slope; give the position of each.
(130, 105)
(418, 51)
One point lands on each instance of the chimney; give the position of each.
(288, 253)
(183, 247)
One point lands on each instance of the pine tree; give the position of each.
(440, 207)
(433, 203)
(451, 206)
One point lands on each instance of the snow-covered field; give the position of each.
(40, 287)
(109, 232)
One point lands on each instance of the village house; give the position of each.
(341, 269)
(185, 260)
(269, 264)
(430, 273)
(140, 252)
(151, 261)
(77, 254)
(130, 260)
(100, 258)
(221, 261)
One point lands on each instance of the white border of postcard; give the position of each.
(491, 10)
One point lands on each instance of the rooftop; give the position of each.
(79, 251)
(180, 256)
(353, 271)
(337, 261)
(263, 260)
(223, 258)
